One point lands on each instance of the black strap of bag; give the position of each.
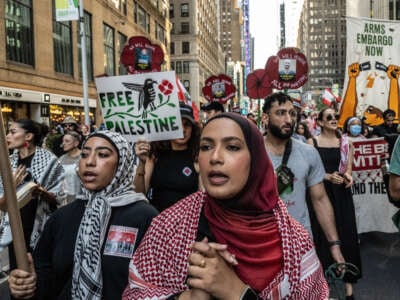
(285, 176)
(286, 154)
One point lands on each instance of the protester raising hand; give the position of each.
(166, 170)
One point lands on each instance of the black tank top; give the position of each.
(173, 178)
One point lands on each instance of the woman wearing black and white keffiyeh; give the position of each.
(85, 248)
(31, 164)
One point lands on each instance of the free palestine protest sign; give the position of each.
(141, 106)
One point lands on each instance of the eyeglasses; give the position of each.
(331, 117)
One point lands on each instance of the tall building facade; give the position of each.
(40, 59)
(290, 11)
(231, 38)
(322, 35)
(231, 22)
(322, 38)
(196, 53)
(377, 9)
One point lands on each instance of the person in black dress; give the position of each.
(166, 171)
(336, 155)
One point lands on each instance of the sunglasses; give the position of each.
(331, 117)
(68, 125)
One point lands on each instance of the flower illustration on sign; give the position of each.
(166, 87)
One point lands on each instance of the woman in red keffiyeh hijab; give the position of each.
(233, 241)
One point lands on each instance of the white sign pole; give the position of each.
(84, 63)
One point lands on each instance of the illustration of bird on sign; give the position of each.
(147, 95)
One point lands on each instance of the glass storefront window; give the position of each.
(59, 112)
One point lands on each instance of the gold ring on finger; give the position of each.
(202, 263)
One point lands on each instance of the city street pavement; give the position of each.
(380, 254)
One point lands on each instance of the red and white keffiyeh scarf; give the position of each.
(158, 269)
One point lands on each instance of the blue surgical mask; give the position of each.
(355, 130)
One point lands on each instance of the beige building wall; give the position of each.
(42, 78)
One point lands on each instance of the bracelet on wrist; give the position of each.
(334, 243)
(140, 173)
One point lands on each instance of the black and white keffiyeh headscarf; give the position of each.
(87, 281)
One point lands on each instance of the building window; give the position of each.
(89, 47)
(160, 33)
(19, 31)
(185, 47)
(148, 23)
(185, 66)
(171, 10)
(142, 18)
(178, 67)
(109, 56)
(172, 48)
(185, 27)
(135, 12)
(185, 10)
(120, 5)
(62, 45)
(172, 28)
(172, 64)
(122, 39)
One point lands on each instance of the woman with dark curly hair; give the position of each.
(166, 170)
(302, 130)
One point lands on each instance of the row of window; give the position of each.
(184, 10)
(142, 18)
(185, 28)
(181, 66)
(20, 41)
(185, 49)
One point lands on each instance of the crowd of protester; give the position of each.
(192, 218)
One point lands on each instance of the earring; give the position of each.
(26, 144)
